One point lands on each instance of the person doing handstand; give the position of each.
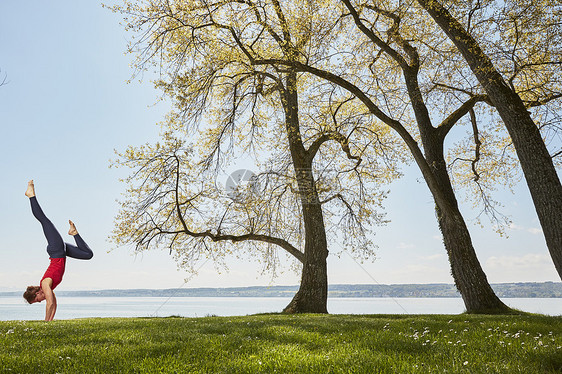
(58, 250)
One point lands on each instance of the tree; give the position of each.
(249, 47)
(394, 56)
(232, 107)
(469, 277)
(398, 44)
(536, 162)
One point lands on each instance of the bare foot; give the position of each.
(72, 231)
(30, 192)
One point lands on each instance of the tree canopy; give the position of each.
(321, 158)
(328, 98)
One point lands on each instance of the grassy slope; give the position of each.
(285, 344)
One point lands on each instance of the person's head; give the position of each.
(34, 294)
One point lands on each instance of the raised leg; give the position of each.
(81, 250)
(55, 244)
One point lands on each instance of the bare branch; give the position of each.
(476, 8)
(454, 117)
(373, 37)
(477, 143)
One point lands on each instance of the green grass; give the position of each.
(286, 344)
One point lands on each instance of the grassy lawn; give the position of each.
(286, 344)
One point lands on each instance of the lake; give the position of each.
(15, 308)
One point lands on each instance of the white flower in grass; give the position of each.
(465, 363)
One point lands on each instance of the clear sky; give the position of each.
(66, 107)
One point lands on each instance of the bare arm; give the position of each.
(51, 307)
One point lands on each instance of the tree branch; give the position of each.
(393, 32)
(374, 38)
(535, 103)
(282, 21)
(454, 117)
(477, 142)
(376, 111)
(220, 237)
(443, 85)
(245, 237)
(338, 137)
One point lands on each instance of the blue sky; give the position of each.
(66, 107)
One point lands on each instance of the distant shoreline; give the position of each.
(503, 290)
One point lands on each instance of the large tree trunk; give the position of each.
(537, 165)
(466, 270)
(470, 279)
(312, 296)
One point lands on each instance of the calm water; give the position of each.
(15, 308)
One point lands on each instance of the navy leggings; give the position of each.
(56, 247)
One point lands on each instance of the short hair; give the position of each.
(30, 293)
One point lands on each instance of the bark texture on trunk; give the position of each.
(470, 279)
(312, 296)
(538, 168)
